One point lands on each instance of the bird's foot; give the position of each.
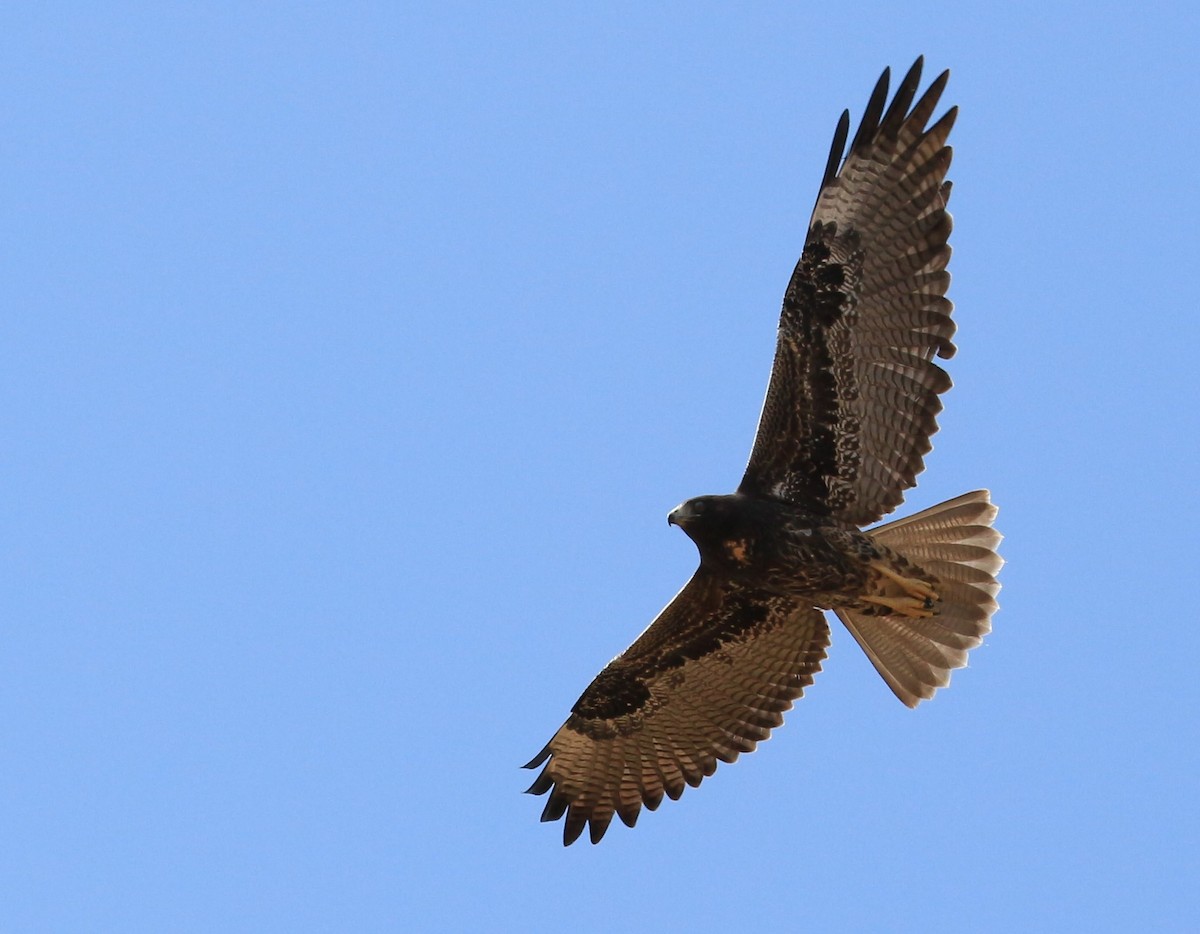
(913, 607)
(917, 594)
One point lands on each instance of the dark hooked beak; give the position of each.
(679, 515)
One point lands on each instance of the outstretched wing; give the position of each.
(853, 397)
(707, 680)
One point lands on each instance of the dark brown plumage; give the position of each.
(851, 404)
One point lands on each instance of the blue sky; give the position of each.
(353, 357)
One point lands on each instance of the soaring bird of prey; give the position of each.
(849, 410)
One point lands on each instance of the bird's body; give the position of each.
(850, 407)
(783, 549)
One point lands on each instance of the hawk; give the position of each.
(850, 407)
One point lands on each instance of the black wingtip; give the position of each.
(572, 826)
(913, 76)
(924, 108)
(870, 118)
(556, 807)
(875, 121)
(538, 759)
(597, 829)
(541, 784)
(837, 149)
(905, 92)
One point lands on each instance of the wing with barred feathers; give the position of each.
(853, 396)
(708, 680)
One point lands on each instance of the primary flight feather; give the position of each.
(852, 402)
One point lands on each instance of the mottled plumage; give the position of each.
(849, 410)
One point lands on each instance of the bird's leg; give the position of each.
(913, 586)
(904, 606)
(918, 599)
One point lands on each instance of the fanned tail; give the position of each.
(955, 542)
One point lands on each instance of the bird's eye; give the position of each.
(699, 507)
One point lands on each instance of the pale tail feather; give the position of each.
(955, 542)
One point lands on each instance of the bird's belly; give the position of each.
(820, 572)
(833, 567)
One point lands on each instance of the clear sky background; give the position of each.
(353, 355)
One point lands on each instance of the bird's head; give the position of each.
(695, 513)
(712, 521)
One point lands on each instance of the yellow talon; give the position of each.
(917, 607)
(915, 588)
